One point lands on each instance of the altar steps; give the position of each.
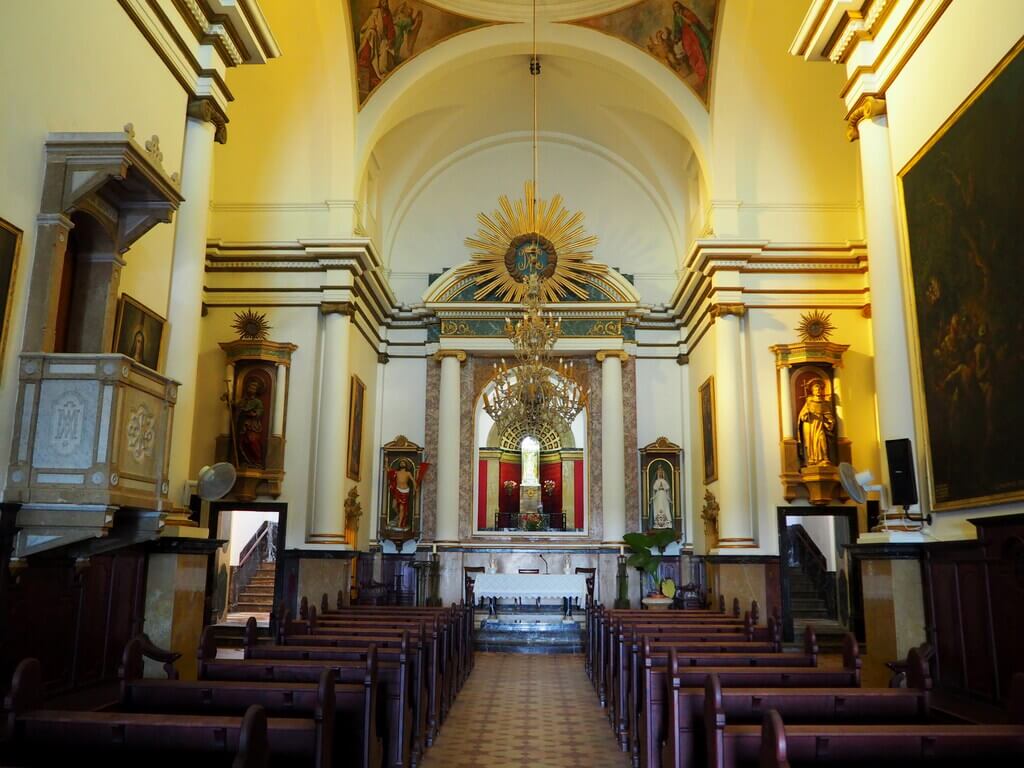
(532, 632)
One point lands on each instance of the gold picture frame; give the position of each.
(138, 332)
(709, 437)
(942, 494)
(356, 407)
(10, 250)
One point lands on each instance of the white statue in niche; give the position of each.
(530, 449)
(661, 500)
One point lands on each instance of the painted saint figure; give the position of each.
(817, 422)
(692, 40)
(661, 500)
(138, 353)
(249, 423)
(404, 483)
(375, 53)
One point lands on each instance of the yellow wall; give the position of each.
(779, 147)
(58, 73)
(292, 131)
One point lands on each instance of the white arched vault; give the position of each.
(409, 88)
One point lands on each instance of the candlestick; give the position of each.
(434, 550)
(622, 550)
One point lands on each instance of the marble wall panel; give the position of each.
(175, 594)
(429, 520)
(319, 575)
(746, 581)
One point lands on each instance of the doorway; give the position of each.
(245, 572)
(812, 554)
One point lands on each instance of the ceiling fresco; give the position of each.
(680, 34)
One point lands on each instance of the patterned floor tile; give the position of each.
(522, 711)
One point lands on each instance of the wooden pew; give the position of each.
(653, 663)
(396, 648)
(442, 658)
(623, 668)
(775, 745)
(45, 737)
(804, 705)
(425, 650)
(345, 713)
(394, 708)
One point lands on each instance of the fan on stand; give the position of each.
(216, 482)
(858, 484)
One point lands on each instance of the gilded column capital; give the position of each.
(869, 106)
(458, 354)
(346, 308)
(207, 110)
(604, 354)
(723, 310)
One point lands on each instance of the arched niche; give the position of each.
(498, 461)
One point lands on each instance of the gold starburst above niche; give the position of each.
(251, 326)
(815, 326)
(522, 238)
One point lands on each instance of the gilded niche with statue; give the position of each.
(255, 397)
(813, 444)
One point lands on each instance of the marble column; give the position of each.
(786, 401)
(280, 390)
(186, 296)
(888, 322)
(613, 445)
(449, 411)
(327, 525)
(735, 526)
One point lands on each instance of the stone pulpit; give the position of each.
(91, 440)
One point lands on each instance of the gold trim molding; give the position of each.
(604, 354)
(458, 354)
(869, 107)
(724, 310)
(346, 308)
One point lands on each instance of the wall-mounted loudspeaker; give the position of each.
(902, 480)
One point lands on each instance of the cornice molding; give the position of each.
(199, 40)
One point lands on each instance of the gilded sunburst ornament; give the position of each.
(815, 326)
(251, 326)
(526, 237)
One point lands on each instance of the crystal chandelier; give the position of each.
(535, 391)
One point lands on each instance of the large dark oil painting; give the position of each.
(965, 227)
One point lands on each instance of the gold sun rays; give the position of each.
(551, 221)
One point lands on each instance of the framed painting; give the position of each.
(356, 400)
(961, 200)
(709, 440)
(138, 332)
(10, 246)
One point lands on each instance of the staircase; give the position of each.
(812, 597)
(257, 596)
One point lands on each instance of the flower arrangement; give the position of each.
(510, 486)
(532, 521)
(549, 487)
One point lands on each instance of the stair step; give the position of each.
(250, 607)
(262, 589)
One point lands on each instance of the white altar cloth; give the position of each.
(530, 585)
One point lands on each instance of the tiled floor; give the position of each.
(525, 711)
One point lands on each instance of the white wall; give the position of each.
(244, 523)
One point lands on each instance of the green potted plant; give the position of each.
(646, 555)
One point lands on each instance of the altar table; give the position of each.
(532, 585)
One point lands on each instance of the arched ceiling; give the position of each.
(522, 10)
(464, 134)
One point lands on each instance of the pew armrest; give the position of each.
(160, 655)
